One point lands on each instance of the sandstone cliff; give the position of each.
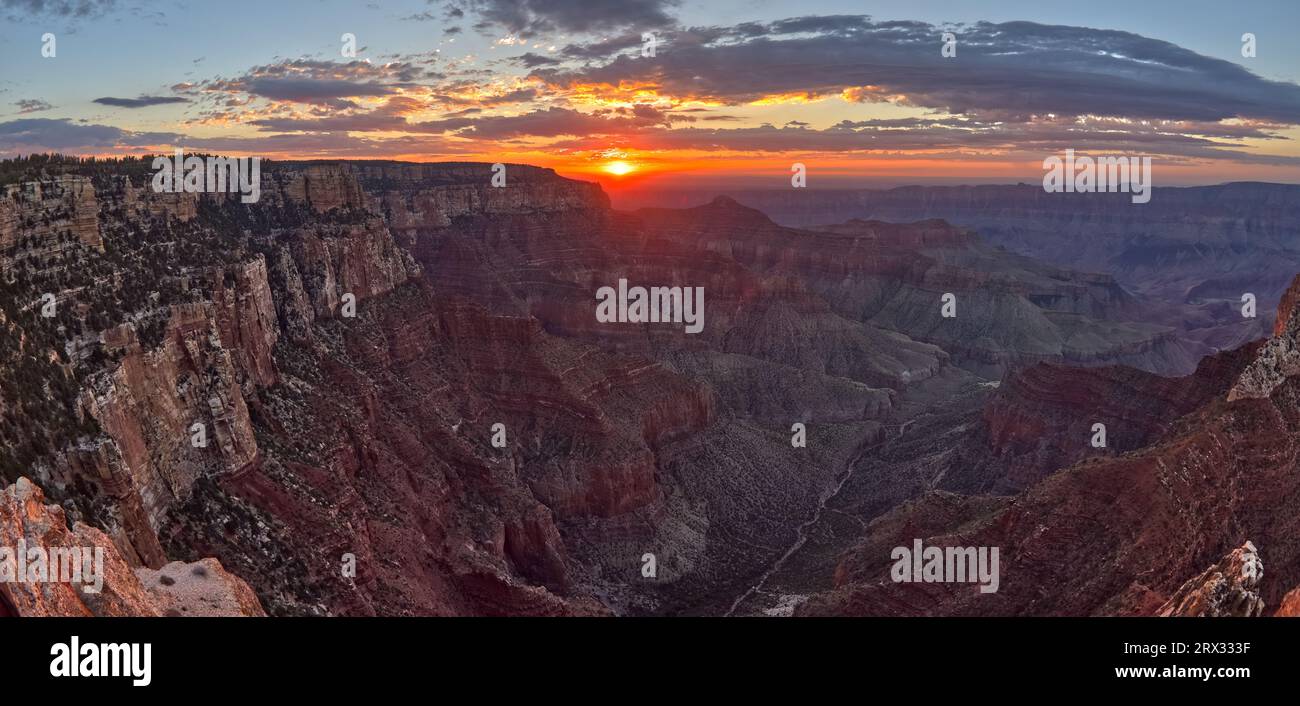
(45, 211)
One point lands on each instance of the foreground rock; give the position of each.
(1227, 589)
(25, 520)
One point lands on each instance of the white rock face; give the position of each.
(1279, 359)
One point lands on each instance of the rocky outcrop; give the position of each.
(1227, 589)
(135, 195)
(431, 196)
(149, 407)
(1279, 358)
(1286, 309)
(362, 260)
(245, 314)
(324, 187)
(312, 269)
(205, 588)
(45, 210)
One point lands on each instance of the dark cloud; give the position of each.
(61, 8)
(427, 16)
(338, 123)
(532, 61)
(312, 90)
(517, 96)
(482, 96)
(604, 49)
(141, 102)
(1014, 68)
(556, 122)
(530, 18)
(32, 105)
(339, 145)
(28, 135)
(389, 117)
(376, 121)
(316, 82)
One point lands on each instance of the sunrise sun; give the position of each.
(619, 168)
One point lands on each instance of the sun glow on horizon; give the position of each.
(619, 168)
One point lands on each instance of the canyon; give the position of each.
(1123, 531)
(1191, 252)
(345, 346)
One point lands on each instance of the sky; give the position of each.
(737, 91)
